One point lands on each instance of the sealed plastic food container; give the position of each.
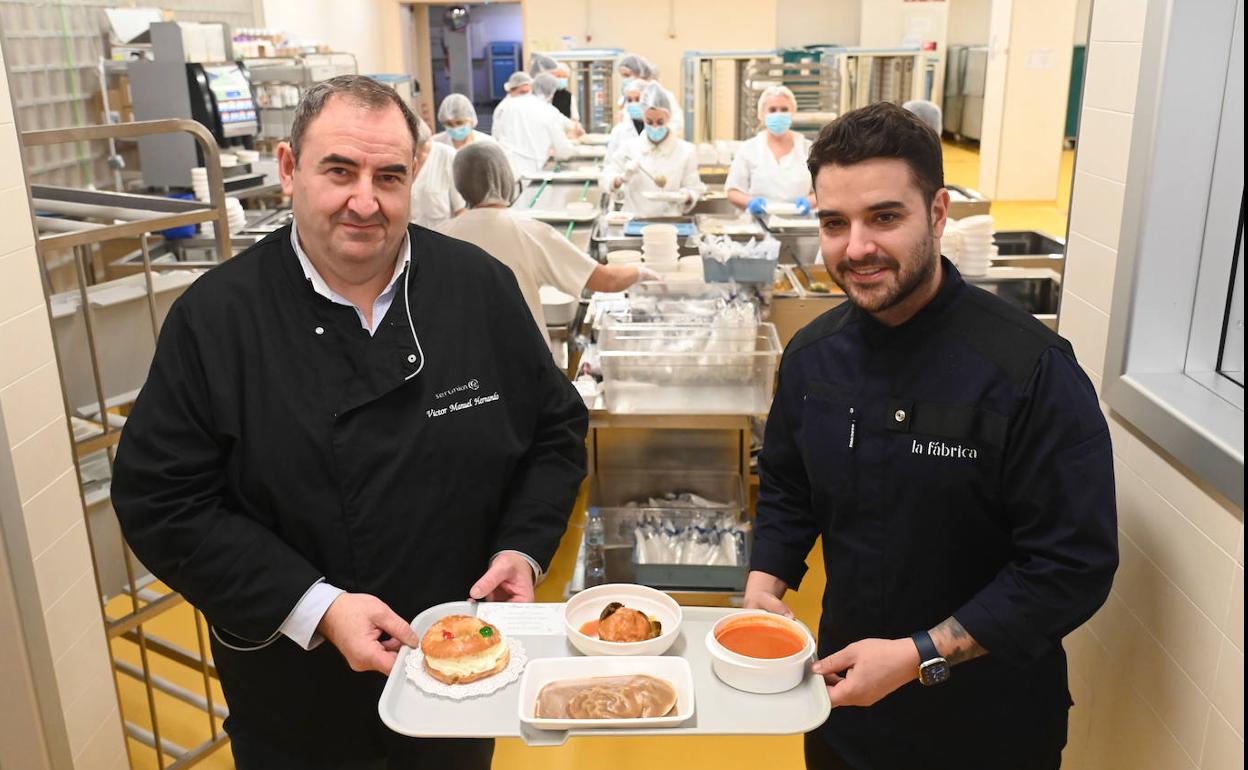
(677, 368)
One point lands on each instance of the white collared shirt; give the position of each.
(381, 305)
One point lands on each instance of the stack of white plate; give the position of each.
(199, 181)
(238, 219)
(659, 247)
(247, 156)
(968, 242)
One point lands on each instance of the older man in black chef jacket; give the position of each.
(952, 455)
(348, 423)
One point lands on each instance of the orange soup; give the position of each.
(590, 629)
(760, 640)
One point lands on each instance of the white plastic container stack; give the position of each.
(968, 242)
(659, 248)
(238, 219)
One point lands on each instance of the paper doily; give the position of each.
(417, 675)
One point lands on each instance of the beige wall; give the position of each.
(363, 27)
(1158, 674)
(44, 529)
(811, 22)
(661, 30)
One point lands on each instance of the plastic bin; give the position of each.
(612, 491)
(677, 368)
(739, 269)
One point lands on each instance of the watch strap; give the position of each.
(927, 648)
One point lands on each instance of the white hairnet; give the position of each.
(483, 174)
(540, 62)
(637, 65)
(771, 91)
(636, 86)
(545, 85)
(655, 98)
(518, 79)
(928, 112)
(457, 107)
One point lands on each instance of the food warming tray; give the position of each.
(721, 710)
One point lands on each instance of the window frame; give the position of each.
(1161, 362)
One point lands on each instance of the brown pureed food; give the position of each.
(618, 623)
(635, 696)
(460, 649)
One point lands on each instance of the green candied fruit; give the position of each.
(487, 632)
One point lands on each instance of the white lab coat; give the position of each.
(755, 170)
(673, 158)
(434, 197)
(621, 134)
(529, 131)
(477, 136)
(537, 253)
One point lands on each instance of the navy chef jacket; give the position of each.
(957, 464)
(275, 442)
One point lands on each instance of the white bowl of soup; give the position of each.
(646, 622)
(759, 652)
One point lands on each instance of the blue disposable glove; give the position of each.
(803, 206)
(757, 206)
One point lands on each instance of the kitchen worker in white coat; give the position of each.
(655, 173)
(537, 253)
(632, 67)
(434, 198)
(459, 121)
(632, 114)
(532, 130)
(771, 166)
(518, 85)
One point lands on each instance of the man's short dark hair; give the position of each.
(362, 91)
(882, 130)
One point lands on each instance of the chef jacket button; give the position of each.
(320, 330)
(411, 358)
(900, 415)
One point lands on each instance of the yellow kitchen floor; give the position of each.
(188, 726)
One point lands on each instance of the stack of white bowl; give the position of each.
(238, 219)
(247, 156)
(660, 248)
(968, 243)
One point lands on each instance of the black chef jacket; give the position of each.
(958, 464)
(275, 442)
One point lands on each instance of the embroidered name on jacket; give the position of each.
(941, 449)
(460, 406)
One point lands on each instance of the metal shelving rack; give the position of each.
(827, 81)
(272, 76)
(591, 75)
(100, 217)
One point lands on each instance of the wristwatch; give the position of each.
(933, 669)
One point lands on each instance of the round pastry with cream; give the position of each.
(460, 648)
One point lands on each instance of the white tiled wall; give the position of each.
(1158, 674)
(32, 412)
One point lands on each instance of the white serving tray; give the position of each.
(571, 175)
(539, 673)
(721, 710)
(559, 215)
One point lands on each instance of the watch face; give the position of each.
(934, 671)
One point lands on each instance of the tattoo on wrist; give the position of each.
(955, 642)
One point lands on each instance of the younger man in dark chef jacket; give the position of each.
(952, 455)
(348, 423)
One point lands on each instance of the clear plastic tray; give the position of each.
(721, 710)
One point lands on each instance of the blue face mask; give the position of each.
(459, 133)
(624, 85)
(563, 83)
(656, 134)
(634, 110)
(778, 122)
